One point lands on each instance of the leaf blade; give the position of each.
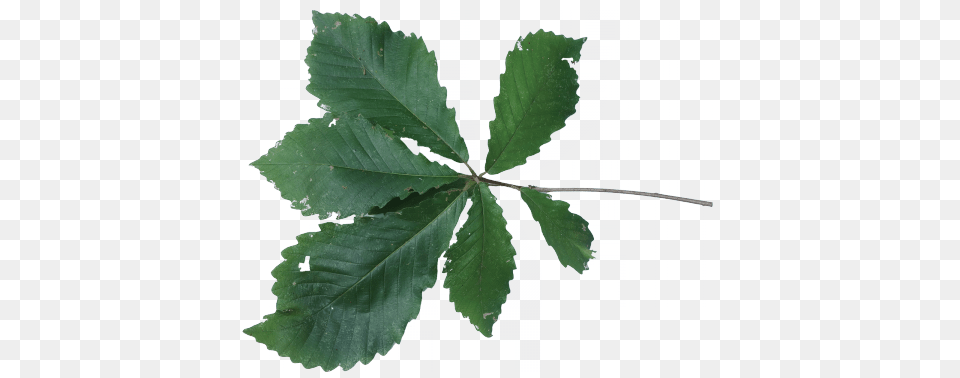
(364, 285)
(359, 66)
(346, 168)
(414, 199)
(538, 92)
(565, 231)
(480, 264)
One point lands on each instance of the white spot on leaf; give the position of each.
(305, 265)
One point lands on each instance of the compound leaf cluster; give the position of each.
(363, 282)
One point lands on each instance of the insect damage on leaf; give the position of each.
(305, 265)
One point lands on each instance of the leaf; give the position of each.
(413, 200)
(346, 293)
(365, 283)
(480, 264)
(566, 232)
(538, 91)
(347, 168)
(358, 66)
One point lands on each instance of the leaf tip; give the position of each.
(253, 331)
(484, 330)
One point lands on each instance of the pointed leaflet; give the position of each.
(480, 264)
(365, 283)
(347, 168)
(538, 91)
(358, 66)
(566, 232)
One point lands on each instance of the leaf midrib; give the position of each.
(483, 248)
(375, 77)
(359, 169)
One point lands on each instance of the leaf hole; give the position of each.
(305, 265)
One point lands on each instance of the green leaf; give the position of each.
(365, 283)
(358, 66)
(413, 200)
(566, 232)
(538, 91)
(347, 168)
(480, 264)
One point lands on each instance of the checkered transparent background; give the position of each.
(135, 240)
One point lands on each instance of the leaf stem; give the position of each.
(472, 172)
(544, 190)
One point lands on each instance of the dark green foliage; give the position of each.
(480, 264)
(366, 279)
(566, 232)
(359, 66)
(364, 285)
(537, 94)
(348, 168)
